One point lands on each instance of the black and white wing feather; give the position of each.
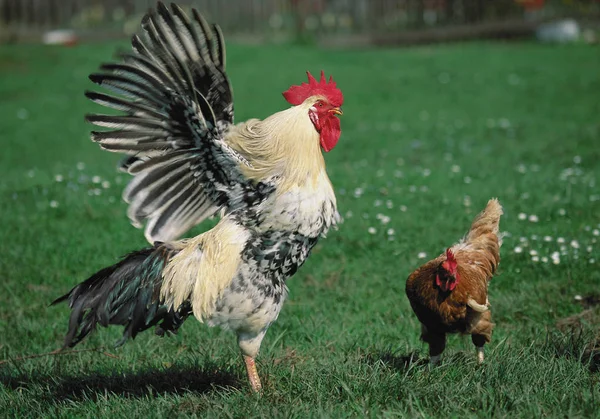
(177, 105)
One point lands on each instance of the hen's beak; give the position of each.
(337, 111)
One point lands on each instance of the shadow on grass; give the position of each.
(578, 336)
(395, 360)
(90, 386)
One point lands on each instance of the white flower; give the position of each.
(533, 252)
(521, 168)
(22, 113)
(577, 159)
(522, 216)
(467, 179)
(522, 239)
(412, 188)
(578, 297)
(518, 249)
(31, 173)
(106, 184)
(589, 249)
(398, 173)
(53, 204)
(58, 178)
(357, 192)
(534, 237)
(514, 80)
(544, 259)
(80, 165)
(389, 204)
(391, 232)
(96, 179)
(533, 218)
(547, 238)
(535, 258)
(562, 212)
(574, 244)
(426, 172)
(372, 230)
(455, 168)
(377, 203)
(422, 255)
(349, 214)
(596, 232)
(592, 260)
(560, 240)
(403, 208)
(383, 218)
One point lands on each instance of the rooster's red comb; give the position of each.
(450, 256)
(295, 95)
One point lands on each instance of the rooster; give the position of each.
(449, 294)
(266, 179)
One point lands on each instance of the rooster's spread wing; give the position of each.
(178, 104)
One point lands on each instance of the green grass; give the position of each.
(432, 132)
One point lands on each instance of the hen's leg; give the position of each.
(482, 333)
(249, 345)
(437, 344)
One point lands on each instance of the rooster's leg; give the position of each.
(437, 344)
(252, 373)
(249, 345)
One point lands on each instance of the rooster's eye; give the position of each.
(320, 104)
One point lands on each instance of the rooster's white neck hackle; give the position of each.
(285, 145)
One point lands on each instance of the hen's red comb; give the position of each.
(450, 256)
(295, 95)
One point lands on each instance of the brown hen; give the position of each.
(449, 294)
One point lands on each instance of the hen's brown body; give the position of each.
(465, 308)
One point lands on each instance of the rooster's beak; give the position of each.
(337, 111)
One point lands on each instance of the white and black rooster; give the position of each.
(266, 178)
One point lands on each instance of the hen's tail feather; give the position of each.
(487, 221)
(480, 308)
(127, 294)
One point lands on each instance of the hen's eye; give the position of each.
(320, 104)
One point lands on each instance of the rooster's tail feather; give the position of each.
(128, 294)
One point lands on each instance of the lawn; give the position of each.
(429, 135)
